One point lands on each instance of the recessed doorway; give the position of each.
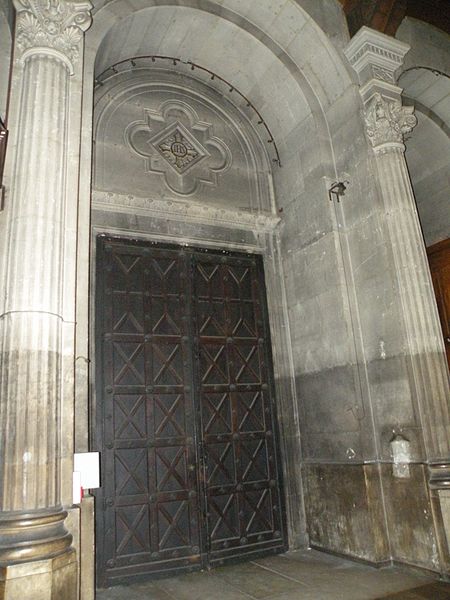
(185, 411)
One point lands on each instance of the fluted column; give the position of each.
(387, 121)
(48, 37)
(376, 58)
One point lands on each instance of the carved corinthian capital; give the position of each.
(387, 121)
(53, 25)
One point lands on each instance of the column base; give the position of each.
(49, 579)
(30, 536)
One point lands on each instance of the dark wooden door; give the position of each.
(243, 497)
(185, 415)
(439, 259)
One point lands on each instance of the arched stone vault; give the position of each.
(428, 157)
(268, 36)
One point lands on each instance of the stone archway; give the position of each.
(328, 101)
(288, 82)
(147, 118)
(294, 112)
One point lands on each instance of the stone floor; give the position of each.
(302, 575)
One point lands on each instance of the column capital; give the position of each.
(387, 121)
(375, 57)
(53, 27)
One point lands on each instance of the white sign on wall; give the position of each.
(86, 466)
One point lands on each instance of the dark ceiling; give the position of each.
(386, 15)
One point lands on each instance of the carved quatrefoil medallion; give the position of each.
(179, 147)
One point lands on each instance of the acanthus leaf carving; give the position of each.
(387, 121)
(54, 24)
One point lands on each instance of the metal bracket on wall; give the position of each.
(337, 190)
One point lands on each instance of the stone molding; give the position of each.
(53, 27)
(187, 211)
(387, 121)
(374, 55)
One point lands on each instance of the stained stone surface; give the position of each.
(6, 26)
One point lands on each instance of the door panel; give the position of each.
(185, 411)
(148, 510)
(243, 496)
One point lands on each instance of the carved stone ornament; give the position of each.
(383, 74)
(56, 25)
(387, 121)
(180, 147)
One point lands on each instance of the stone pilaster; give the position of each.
(376, 58)
(48, 38)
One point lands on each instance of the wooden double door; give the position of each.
(185, 411)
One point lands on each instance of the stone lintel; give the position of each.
(186, 211)
(375, 57)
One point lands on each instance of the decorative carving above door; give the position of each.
(172, 138)
(176, 144)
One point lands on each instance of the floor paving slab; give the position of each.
(302, 575)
